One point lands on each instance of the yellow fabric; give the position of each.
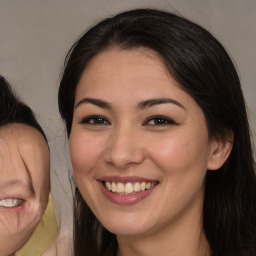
(44, 235)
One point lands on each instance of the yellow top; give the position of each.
(44, 235)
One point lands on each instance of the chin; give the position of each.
(125, 228)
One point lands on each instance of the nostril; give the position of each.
(124, 157)
(124, 147)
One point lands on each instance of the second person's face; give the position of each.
(24, 184)
(139, 144)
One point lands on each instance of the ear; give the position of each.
(220, 150)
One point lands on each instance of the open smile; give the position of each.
(11, 202)
(126, 190)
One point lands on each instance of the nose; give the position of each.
(125, 148)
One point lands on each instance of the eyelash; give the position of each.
(101, 120)
(95, 120)
(160, 121)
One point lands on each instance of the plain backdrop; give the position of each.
(35, 36)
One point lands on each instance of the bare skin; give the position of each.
(24, 184)
(134, 124)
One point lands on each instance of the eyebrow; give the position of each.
(142, 105)
(158, 101)
(96, 102)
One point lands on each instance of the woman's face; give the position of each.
(24, 184)
(139, 144)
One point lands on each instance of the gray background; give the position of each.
(36, 35)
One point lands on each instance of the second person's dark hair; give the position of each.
(15, 111)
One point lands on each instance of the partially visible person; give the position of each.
(159, 141)
(27, 221)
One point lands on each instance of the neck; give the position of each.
(183, 236)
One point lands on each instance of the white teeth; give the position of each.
(143, 186)
(137, 187)
(120, 188)
(11, 202)
(113, 187)
(108, 185)
(128, 188)
(148, 185)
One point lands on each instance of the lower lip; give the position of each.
(21, 208)
(125, 199)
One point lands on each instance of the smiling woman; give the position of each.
(25, 178)
(159, 141)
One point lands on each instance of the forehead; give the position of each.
(115, 74)
(125, 68)
(115, 58)
(21, 143)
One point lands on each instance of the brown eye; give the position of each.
(95, 120)
(159, 120)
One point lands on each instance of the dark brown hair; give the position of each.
(12, 110)
(202, 67)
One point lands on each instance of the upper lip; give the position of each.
(125, 179)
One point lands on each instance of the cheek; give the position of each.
(183, 164)
(180, 154)
(85, 152)
(16, 228)
(85, 155)
(41, 184)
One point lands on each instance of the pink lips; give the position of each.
(21, 208)
(123, 199)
